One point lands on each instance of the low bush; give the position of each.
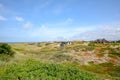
(34, 70)
(5, 51)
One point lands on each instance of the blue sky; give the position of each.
(50, 20)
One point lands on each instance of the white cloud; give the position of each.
(110, 32)
(2, 18)
(60, 29)
(20, 19)
(65, 31)
(27, 25)
(44, 30)
(56, 33)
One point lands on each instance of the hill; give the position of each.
(98, 59)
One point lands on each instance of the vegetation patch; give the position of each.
(106, 69)
(5, 51)
(60, 57)
(34, 70)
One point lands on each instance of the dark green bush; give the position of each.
(5, 51)
(118, 41)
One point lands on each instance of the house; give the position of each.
(101, 41)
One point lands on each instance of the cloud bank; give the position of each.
(62, 31)
(110, 32)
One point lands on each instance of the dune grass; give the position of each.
(58, 56)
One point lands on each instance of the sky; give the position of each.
(58, 20)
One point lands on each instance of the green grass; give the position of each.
(60, 57)
(34, 70)
(108, 70)
(78, 48)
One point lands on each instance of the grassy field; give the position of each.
(49, 61)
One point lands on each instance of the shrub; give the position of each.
(91, 44)
(115, 51)
(5, 51)
(34, 70)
